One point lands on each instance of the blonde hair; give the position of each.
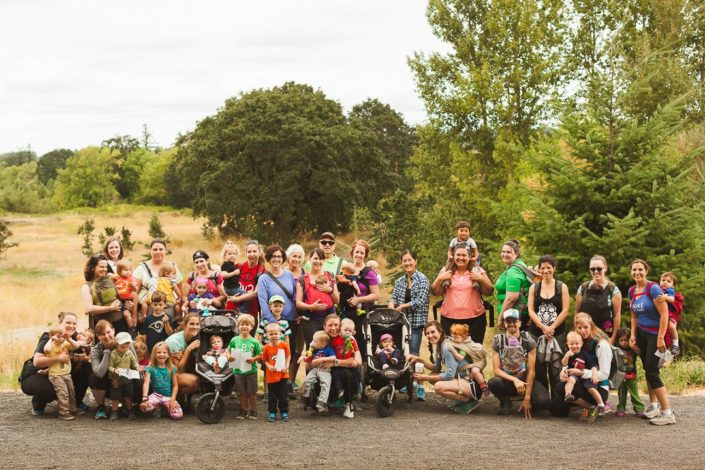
(273, 325)
(321, 335)
(246, 318)
(153, 358)
(347, 322)
(595, 333)
(573, 335)
(167, 268)
(230, 246)
(122, 265)
(140, 347)
(88, 333)
(56, 328)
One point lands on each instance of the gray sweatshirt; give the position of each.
(100, 359)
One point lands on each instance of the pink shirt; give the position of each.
(461, 300)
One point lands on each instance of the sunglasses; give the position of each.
(327, 242)
(595, 270)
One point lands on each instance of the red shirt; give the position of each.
(125, 287)
(269, 355)
(344, 349)
(248, 282)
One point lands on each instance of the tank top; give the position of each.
(547, 309)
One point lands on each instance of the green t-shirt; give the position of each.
(331, 265)
(250, 345)
(512, 279)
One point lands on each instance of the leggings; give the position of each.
(347, 380)
(477, 326)
(647, 344)
(155, 400)
(504, 389)
(560, 408)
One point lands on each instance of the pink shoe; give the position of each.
(619, 413)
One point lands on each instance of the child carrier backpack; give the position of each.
(618, 367)
(103, 291)
(597, 302)
(513, 358)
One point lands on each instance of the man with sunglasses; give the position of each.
(332, 263)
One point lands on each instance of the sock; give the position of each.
(655, 405)
(667, 412)
(675, 342)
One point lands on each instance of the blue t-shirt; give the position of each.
(160, 379)
(267, 287)
(325, 352)
(644, 308)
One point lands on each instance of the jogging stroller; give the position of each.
(387, 381)
(210, 407)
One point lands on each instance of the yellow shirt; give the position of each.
(59, 368)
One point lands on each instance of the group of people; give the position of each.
(144, 326)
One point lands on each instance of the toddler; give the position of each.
(463, 347)
(375, 265)
(246, 378)
(231, 273)
(161, 375)
(201, 299)
(387, 353)
(166, 284)
(576, 358)
(125, 285)
(85, 340)
(156, 326)
(629, 385)
(216, 357)
(122, 360)
(675, 308)
(348, 283)
(320, 347)
(462, 232)
(276, 375)
(60, 372)
(142, 354)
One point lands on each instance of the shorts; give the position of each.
(673, 318)
(246, 383)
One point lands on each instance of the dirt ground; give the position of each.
(418, 435)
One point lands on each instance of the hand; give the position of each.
(194, 345)
(165, 318)
(271, 368)
(520, 386)
(660, 344)
(172, 404)
(445, 275)
(526, 406)
(177, 355)
(575, 371)
(318, 306)
(129, 305)
(595, 379)
(548, 331)
(356, 363)
(563, 376)
(353, 300)
(632, 342)
(114, 383)
(143, 406)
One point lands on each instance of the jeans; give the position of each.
(415, 340)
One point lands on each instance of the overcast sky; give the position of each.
(73, 73)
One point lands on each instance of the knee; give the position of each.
(495, 384)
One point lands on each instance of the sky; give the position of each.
(74, 73)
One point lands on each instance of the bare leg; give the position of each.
(595, 395)
(673, 329)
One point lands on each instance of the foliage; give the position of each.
(126, 239)
(50, 163)
(207, 231)
(154, 187)
(20, 157)
(156, 230)
(21, 190)
(87, 231)
(87, 180)
(5, 234)
(120, 147)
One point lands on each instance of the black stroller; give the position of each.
(210, 407)
(387, 381)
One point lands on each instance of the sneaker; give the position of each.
(242, 415)
(601, 410)
(348, 411)
(272, 417)
(663, 420)
(421, 394)
(322, 408)
(505, 407)
(652, 412)
(589, 415)
(608, 406)
(619, 413)
(675, 350)
(132, 415)
(67, 417)
(36, 412)
(100, 413)
(569, 398)
(252, 414)
(467, 407)
(285, 417)
(114, 416)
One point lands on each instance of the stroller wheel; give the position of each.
(384, 402)
(210, 409)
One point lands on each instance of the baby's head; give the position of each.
(216, 342)
(347, 327)
(276, 306)
(201, 285)
(459, 332)
(57, 333)
(623, 335)
(574, 341)
(386, 341)
(141, 349)
(373, 264)
(123, 340)
(668, 280)
(347, 268)
(124, 268)
(86, 336)
(245, 323)
(320, 339)
(167, 270)
(231, 252)
(321, 280)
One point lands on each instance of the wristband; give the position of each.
(335, 363)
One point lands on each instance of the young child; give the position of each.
(122, 358)
(629, 385)
(166, 284)
(246, 378)
(576, 358)
(276, 307)
(125, 285)
(85, 340)
(276, 375)
(216, 356)
(320, 347)
(462, 232)
(463, 347)
(375, 265)
(142, 354)
(161, 375)
(201, 298)
(675, 308)
(60, 373)
(387, 353)
(157, 326)
(347, 283)
(230, 272)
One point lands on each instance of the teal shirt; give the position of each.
(331, 265)
(250, 345)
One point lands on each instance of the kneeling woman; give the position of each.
(455, 380)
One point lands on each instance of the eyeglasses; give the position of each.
(276, 257)
(327, 242)
(596, 270)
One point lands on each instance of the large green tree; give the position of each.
(87, 179)
(50, 163)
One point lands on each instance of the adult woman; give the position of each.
(649, 324)
(149, 270)
(100, 361)
(112, 249)
(454, 382)
(595, 343)
(344, 371)
(38, 386)
(368, 282)
(600, 298)
(315, 300)
(462, 300)
(202, 269)
(513, 285)
(411, 296)
(294, 257)
(548, 304)
(181, 345)
(250, 270)
(99, 295)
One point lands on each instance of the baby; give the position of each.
(387, 353)
(347, 283)
(576, 358)
(216, 357)
(166, 284)
(201, 299)
(463, 347)
(320, 347)
(675, 308)
(125, 285)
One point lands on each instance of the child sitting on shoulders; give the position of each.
(216, 357)
(462, 238)
(201, 299)
(675, 308)
(387, 353)
(122, 360)
(577, 358)
(630, 385)
(320, 347)
(161, 375)
(246, 378)
(125, 285)
(60, 372)
(463, 347)
(276, 372)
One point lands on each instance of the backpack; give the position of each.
(513, 358)
(213, 277)
(103, 291)
(618, 367)
(646, 292)
(531, 276)
(596, 301)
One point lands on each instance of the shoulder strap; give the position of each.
(149, 271)
(362, 276)
(524, 341)
(584, 287)
(281, 286)
(502, 342)
(337, 269)
(527, 272)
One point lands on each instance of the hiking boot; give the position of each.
(675, 350)
(652, 412)
(663, 420)
(467, 407)
(242, 415)
(100, 413)
(589, 415)
(114, 416)
(272, 417)
(252, 414)
(348, 411)
(505, 407)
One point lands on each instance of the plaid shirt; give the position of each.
(418, 312)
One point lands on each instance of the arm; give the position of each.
(565, 302)
(145, 385)
(92, 309)
(566, 358)
(604, 362)
(437, 286)
(662, 308)
(263, 297)
(167, 325)
(174, 391)
(578, 301)
(530, 375)
(100, 359)
(532, 311)
(336, 293)
(617, 316)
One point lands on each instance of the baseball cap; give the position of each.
(276, 298)
(123, 337)
(511, 313)
(327, 236)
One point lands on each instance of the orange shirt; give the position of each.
(461, 300)
(269, 355)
